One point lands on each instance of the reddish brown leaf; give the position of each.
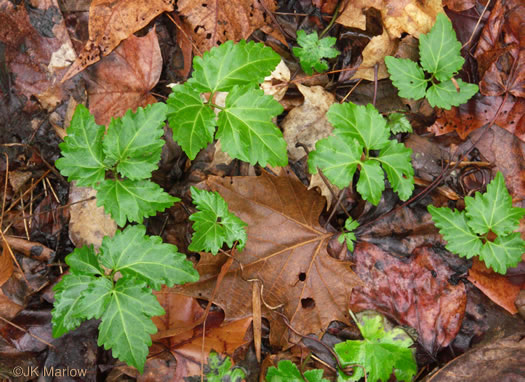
(416, 292)
(122, 80)
(6, 263)
(112, 21)
(286, 250)
(214, 21)
(459, 5)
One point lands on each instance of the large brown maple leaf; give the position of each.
(286, 251)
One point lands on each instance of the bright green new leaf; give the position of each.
(223, 67)
(454, 228)
(287, 371)
(67, 300)
(445, 94)
(313, 51)
(137, 255)
(132, 200)
(398, 123)
(493, 210)
(363, 123)
(82, 155)
(193, 123)
(440, 50)
(396, 160)
(371, 182)
(134, 141)
(349, 235)
(380, 353)
(407, 76)
(220, 369)
(503, 252)
(95, 298)
(83, 261)
(337, 157)
(246, 129)
(214, 225)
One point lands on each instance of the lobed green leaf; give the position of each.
(396, 160)
(445, 94)
(371, 182)
(220, 369)
(313, 51)
(83, 261)
(398, 123)
(503, 252)
(287, 371)
(407, 76)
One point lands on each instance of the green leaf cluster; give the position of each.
(118, 164)
(244, 125)
(440, 56)
(380, 353)
(213, 224)
(219, 369)
(349, 235)
(359, 133)
(312, 51)
(287, 371)
(115, 286)
(398, 123)
(468, 233)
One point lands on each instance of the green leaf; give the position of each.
(66, 305)
(349, 236)
(362, 123)
(503, 252)
(286, 371)
(137, 255)
(398, 123)
(396, 160)
(126, 325)
(134, 141)
(337, 157)
(445, 94)
(95, 298)
(223, 67)
(493, 210)
(440, 50)
(193, 123)
(380, 353)
(407, 76)
(220, 369)
(82, 155)
(83, 261)
(214, 224)
(454, 228)
(246, 129)
(371, 181)
(313, 50)
(132, 200)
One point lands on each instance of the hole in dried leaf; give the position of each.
(302, 276)
(208, 36)
(308, 303)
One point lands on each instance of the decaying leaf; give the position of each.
(415, 292)
(374, 53)
(123, 79)
(286, 250)
(216, 21)
(6, 263)
(110, 22)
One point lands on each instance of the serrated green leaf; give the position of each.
(445, 94)
(362, 123)
(82, 155)
(214, 224)
(193, 123)
(313, 50)
(287, 371)
(220, 369)
(66, 306)
(228, 65)
(380, 353)
(407, 76)
(95, 298)
(493, 210)
(440, 50)
(126, 325)
(371, 181)
(246, 129)
(503, 252)
(454, 228)
(398, 123)
(337, 157)
(349, 236)
(134, 141)
(396, 160)
(132, 200)
(137, 255)
(83, 261)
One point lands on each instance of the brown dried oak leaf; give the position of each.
(110, 22)
(286, 250)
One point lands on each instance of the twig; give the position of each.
(28, 332)
(351, 91)
(375, 84)
(477, 24)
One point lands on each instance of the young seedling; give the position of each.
(440, 57)
(219, 369)
(485, 228)
(287, 371)
(312, 51)
(359, 132)
(349, 235)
